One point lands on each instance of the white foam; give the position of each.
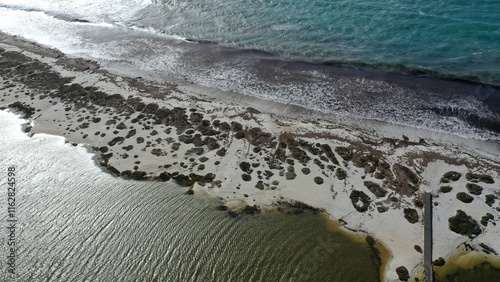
(93, 10)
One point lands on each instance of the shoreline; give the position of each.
(219, 147)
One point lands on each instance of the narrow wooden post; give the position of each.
(428, 237)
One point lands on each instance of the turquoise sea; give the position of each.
(450, 38)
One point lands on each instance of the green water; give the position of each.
(483, 273)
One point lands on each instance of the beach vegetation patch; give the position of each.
(257, 137)
(487, 249)
(128, 148)
(490, 199)
(246, 177)
(474, 189)
(445, 189)
(187, 139)
(121, 126)
(306, 170)
(183, 180)
(344, 152)
(472, 177)
(113, 170)
(268, 174)
(246, 167)
(297, 207)
(290, 174)
(196, 151)
(382, 209)
(175, 146)
(140, 140)
(158, 152)
(464, 224)
(300, 155)
(25, 110)
(224, 126)
(329, 153)
(116, 140)
(239, 134)
(236, 126)
(138, 175)
(280, 154)
(131, 133)
(411, 215)
(126, 173)
(319, 163)
(221, 152)
(487, 217)
(406, 180)
(405, 173)
(439, 261)
(450, 176)
(464, 197)
(251, 209)
(211, 143)
(402, 273)
(375, 189)
(197, 141)
(259, 185)
(360, 200)
(164, 176)
(418, 203)
(318, 180)
(379, 175)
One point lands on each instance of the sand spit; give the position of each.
(252, 160)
